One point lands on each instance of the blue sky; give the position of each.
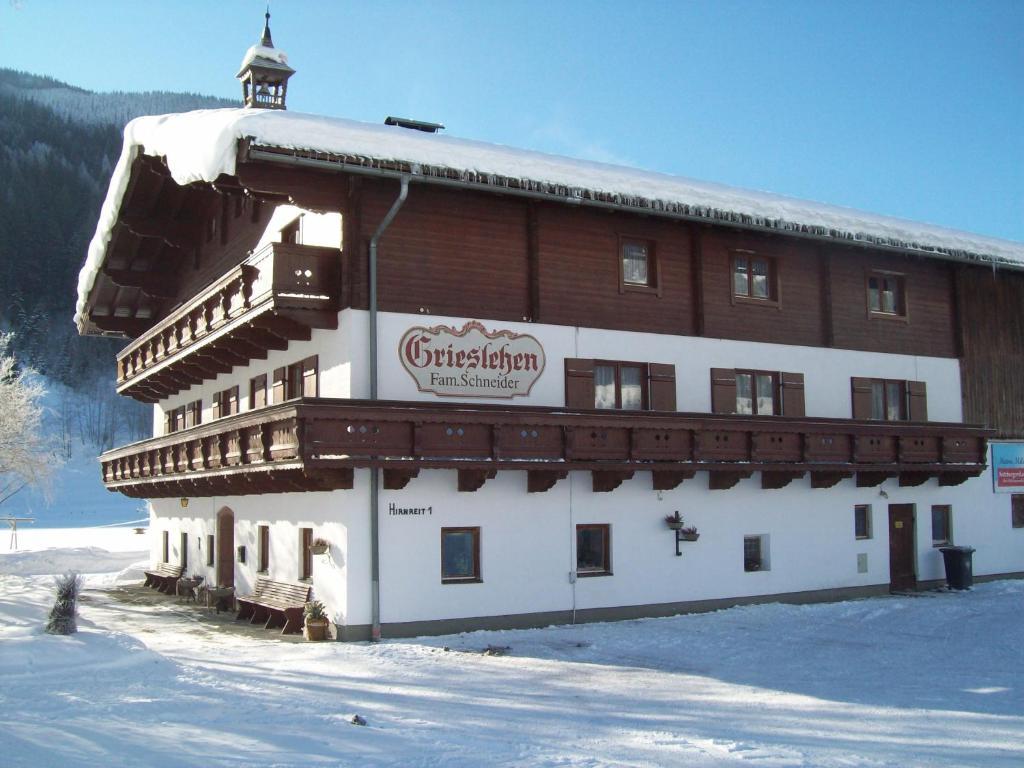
(913, 109)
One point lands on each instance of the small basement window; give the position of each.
(755, 553)
(593, 550)
(941, 524)
(460, 555)
(862, 521)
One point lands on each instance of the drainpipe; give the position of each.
(374, 471)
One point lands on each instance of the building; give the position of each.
(487, 376)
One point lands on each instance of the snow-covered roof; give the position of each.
(266, 57)
(202, 145)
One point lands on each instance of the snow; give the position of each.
(201, 145)
(934, 680)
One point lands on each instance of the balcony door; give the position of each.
(902, 573)
(225, 548)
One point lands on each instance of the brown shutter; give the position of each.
(861, 396)
(280, 374)
(792, 394)
(579, 383)
(232, 406)
(309, 377)
(216, 404)
(168, 422)
(662, 386)
(723, 390)
(918, 399)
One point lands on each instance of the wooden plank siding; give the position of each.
(991, 305)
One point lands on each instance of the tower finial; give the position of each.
(266, 41)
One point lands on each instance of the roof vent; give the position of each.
(416, 125)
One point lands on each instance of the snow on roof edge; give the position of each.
(202, 145)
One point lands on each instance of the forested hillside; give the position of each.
(58, 145)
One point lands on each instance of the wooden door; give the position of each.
(902, 573)
(225, 548)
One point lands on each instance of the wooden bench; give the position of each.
(274, 604)
(164, 577)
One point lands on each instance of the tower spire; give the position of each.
(266, 40)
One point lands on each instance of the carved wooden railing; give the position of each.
(316, 444)
(277, 295)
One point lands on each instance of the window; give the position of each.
(301, 379)
(166, 546)
(258, 391)
(593, 550)
(1017, 510)
(305, 556)
(889, 400)
(623, 385)
(211, 549)
(264, 548)
(225, 402)
(757, 393)
(941, 520)
(754, 277)
(755, 553)
(174, 420)
(637, 265)
(862, 521)
(184, 550)
(194, 413)
(619, 385)
(460, 555)
(886, 297)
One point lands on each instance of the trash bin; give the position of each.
(959, 566)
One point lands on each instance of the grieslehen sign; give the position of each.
(471, 361)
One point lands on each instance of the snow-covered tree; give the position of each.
(27, 455)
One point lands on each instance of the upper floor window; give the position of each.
(619, 385)
(757, 393)
(225, 402)
(174, 420)
(194, 413)
(889, 400)
(612, 384)
(638, 266)
(301, 379)
(754, 277)
(886, 295)
(258, 391)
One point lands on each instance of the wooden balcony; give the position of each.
(276, 296)
(307, 445)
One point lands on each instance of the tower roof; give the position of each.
(264, 55)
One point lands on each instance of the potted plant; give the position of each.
(319, 546)
(689, 533)
(316, 620)
(674, 521)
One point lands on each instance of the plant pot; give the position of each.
(319, 549)
(673, 525)
(316, 629)
(689, 536)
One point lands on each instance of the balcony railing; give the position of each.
(276, 296)
(316, 444)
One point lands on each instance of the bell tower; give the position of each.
(264, 73)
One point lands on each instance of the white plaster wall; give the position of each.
(528, 541)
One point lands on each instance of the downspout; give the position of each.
(375, 471)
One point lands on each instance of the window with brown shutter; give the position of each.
(279, 385)
(310, 377)
(757, 393)
(889, 399)
(619, 385)
(258, 391)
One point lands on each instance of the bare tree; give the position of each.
(27, 454)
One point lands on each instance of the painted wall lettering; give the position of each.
(1008, 467)
(471, 361)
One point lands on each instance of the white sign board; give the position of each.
(471, 361)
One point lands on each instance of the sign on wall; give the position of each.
(1008, 467)
(471, 361)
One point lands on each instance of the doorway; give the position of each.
(225, 548)
(902, 573)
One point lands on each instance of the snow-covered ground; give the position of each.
(936, 680)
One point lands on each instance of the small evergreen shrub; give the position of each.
(63, 615)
